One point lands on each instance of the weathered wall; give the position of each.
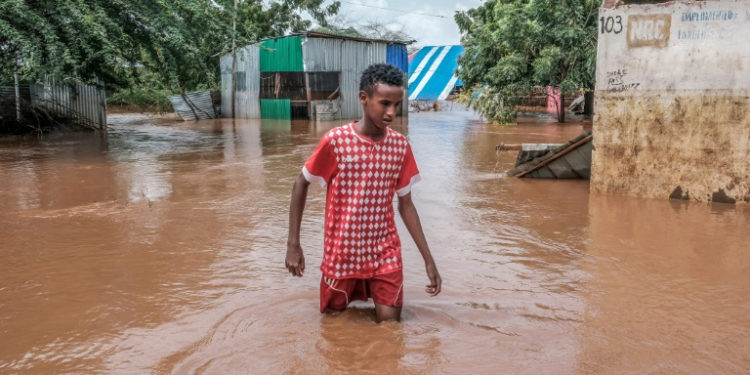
(672, 96)
(349, 57)
(247, 83)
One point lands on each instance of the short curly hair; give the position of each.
(380, 73)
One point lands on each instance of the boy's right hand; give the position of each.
(295, 260)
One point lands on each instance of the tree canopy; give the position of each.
(514, 45)
(175, 42)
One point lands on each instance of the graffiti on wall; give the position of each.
(617, 82)
(652, 30)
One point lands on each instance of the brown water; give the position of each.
(159, 249)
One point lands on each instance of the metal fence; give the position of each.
(81, 102)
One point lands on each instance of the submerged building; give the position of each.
(306, 76)
(672, 98)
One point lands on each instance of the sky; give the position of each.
(427, 30)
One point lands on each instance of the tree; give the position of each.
(173, 44)
(393, 31)
(345, 25)
(514, 45)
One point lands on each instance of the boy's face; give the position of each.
(381, 107)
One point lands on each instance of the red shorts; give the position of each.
(336, 294)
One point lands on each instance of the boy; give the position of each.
(363, 164)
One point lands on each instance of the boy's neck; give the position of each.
(369, 130)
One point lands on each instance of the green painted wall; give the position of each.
(281, 54)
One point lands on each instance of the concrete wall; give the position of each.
(672, 101)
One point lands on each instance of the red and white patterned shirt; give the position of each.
(362, 176)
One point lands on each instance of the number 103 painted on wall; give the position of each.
(611, 24)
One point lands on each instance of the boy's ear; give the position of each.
(363, 97)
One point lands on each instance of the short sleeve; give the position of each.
(409, 173)
(321, 166)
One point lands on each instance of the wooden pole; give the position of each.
(277, 85)
(234, 56)
(18, 97)
(309, 95)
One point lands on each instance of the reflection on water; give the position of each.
(158, 248)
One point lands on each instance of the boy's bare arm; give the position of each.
(411, 219)
(295, 260)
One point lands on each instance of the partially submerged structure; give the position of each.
(571, 160)
(309, 75)
(672, 93)
(52, 105)
(432, 72)
(197, 105)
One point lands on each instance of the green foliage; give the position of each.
(495, 105)
(141, 99)
(514, 45)
(176, 42)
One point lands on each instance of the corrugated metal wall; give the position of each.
(276, 108)
(247, 103)
(396, 54)
(281, 54)
(84, 102)
(350, 58)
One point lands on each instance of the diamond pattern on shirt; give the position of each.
(361, 239)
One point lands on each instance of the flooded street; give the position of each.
(159, 249)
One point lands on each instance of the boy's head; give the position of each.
(381, 92)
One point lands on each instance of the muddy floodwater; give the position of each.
(158, 248)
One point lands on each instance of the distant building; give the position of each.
(309, 75)
(432, 72)
(672, 99)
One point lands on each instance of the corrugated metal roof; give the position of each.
(432, 72)
(396, 54)
(315, 34)
(281, 54)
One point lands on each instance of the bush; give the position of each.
(140, 99)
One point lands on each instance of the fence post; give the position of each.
(18, 97)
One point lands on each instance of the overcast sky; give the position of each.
(429, 31)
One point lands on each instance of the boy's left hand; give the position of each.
(433, 288)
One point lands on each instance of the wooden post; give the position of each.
(309, 95)
(277, 83)
(561, 108)
(234, 56)
(588, 104)
(18, 97)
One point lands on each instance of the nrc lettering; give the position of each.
(649, 30)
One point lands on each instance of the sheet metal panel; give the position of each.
(432, 72)
(247, 103)
(201, 105)
(225, 65)
(350, 58)
(86, 103)
(396, 55)
(281, 54)
(276, 109)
